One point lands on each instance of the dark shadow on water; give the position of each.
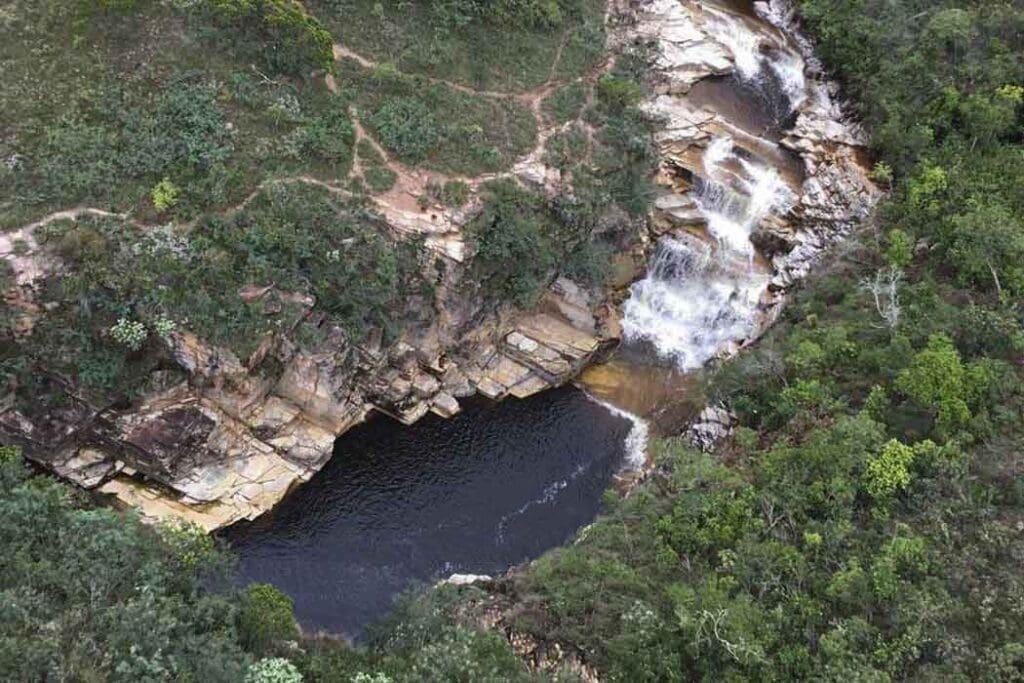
(495, 486)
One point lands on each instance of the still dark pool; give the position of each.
(496, 485)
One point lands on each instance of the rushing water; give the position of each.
(702, 292)
(490, 488)
(699, 296)
(502, 483)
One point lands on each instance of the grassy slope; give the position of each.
(483, 54)
(102, 105)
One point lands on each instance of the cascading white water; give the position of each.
(754, 63)
(700, 298)
(744, 44)
(736, 194)
(789, 68)
(686, 307)
(696, 299)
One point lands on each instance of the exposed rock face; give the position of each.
(229, 443)
(233, 438)
(713, 425)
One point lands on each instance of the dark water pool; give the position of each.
(492, 487)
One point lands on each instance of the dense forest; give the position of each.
(866, 521)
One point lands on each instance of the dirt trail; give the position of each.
(403, 203)
(411, 184)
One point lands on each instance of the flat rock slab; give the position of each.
(559, 335)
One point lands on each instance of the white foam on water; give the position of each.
(733, 212)
(687, 309)
(548, 495)
(789, 68)
(636, 439)
(696, 302)
(745, 44)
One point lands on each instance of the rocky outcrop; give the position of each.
(232, 439)
(761, 171)
(713, 426)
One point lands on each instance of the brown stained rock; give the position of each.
(774, 236)
(273, 414)
(532, 354)
(303, 442)
(529, 386)
(203, 360)
(425, 385)
(507, 372)
(89, 467)
(558, 335)
(491, 389)
(230, 442)
(413, 413)
(164, 437)
(456, 382)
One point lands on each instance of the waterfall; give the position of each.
(744, 44)
(698, 298)
(687, 308)
(761, 57)
(701, 295)
(636, 440)
(734, 201)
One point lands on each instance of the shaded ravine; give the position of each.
(478, 493)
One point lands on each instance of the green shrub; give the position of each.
(616, 92)
(454, 193)
(881, 172)
(515, 254)
(88, 580)
(165, 194)
(293, 40)
(266, 620)
(273, 670)
(565, 103)
(379, 178)
(130, 333)
(406, 127)
(901, 249)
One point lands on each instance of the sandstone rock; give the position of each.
(522, 343)
(425, 385)
(273, 414)
(489, 388)
(88, 467)
(713, 425)
(507, 372)
(444, 404)
(456, 382)
(232, 440)
(202, 360)
(774, 236)
(680, 210)
(466, 579)
(529, 386)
